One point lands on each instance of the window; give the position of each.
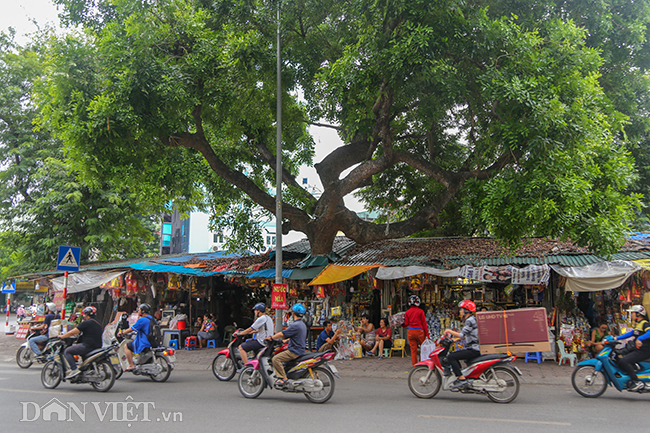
(166, 240)
(217, 238)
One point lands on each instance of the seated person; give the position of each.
(43, 329)
(91, 339)
(199, 322)
(595, 345)
(208, 330)
(141, 340)
(328, 339)
(383, 340)
(368, 330)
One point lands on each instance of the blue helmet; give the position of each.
(260, 307)
(299, 309)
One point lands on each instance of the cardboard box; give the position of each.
(520, 331)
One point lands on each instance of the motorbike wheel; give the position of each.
(223, 368)
(251, 382)
(588, 382)
(24, 357)
(51, 375)
(420, 385)
(512, 385)
(325, 376)
(163, 375)
(108, 374)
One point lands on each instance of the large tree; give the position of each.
(42, 203)
(450, 111)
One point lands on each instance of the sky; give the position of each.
(20, 15)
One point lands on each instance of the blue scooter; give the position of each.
(591, 377)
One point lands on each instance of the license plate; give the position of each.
(171, 358)
(115, 360)
(334, 370)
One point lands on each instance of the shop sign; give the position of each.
(279, 296)
(59, 300)
(24, 285)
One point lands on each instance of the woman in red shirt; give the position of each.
(417, 326)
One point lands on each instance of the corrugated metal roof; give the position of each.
(340, 246)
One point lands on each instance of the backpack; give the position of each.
(155, 335)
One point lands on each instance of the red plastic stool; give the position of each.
(191, 343)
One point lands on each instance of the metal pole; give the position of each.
(278, 175)
(65, 293)
(8, 308)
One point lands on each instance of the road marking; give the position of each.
(523, 421)
(36, 392)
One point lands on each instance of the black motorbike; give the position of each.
(96, 368)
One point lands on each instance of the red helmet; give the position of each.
(468, 305)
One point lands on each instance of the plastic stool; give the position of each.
(212, 343)
(173, 343)
(191, 343)
(534, 356)
(386, 353)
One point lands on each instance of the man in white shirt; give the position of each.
(263, 325)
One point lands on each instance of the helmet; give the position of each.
(299, 309)
(146, 308)
(414, 300)
(89, 311)
(51, 306)
(260, 307)
(637, 309)
(468, 305)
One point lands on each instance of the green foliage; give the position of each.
(509, 118)
(43, 203)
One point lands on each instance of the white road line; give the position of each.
(522, 421)
(36, 392)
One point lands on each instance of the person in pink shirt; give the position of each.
(416, 323)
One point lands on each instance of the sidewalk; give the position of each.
(546, 373)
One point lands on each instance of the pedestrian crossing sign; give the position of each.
(68, 259)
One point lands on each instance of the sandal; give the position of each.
(280, 383)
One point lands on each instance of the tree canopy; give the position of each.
(43, 204)
(513, 119)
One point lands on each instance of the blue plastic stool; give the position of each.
(212, 343)
(173, 343)
(534, 356)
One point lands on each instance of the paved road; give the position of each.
(195, 401)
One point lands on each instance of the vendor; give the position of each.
(595, 345)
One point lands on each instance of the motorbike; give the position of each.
(591, 377)
(96, 368)
(492, 375)
(228, 361)
(25, 357)
(310, 374)
(155, 362)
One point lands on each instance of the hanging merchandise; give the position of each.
(416, 284)
(320, 291)
(174, 283)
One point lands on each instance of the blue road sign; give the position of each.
(69, 258)
(9, 288)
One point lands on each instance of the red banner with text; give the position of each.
(279, 296)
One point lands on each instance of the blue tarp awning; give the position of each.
(201, 256)
(155, 267)
(269, 273)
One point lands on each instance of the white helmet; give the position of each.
(637, 309)
(51, 306)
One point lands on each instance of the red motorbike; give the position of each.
(493, 375)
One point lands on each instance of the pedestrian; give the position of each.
(416, 323)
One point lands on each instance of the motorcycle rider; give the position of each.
(470, 334)
(140, 342)
(91, 338)
(43, 328)
(263, 325)
(297, 334)
(641, 334)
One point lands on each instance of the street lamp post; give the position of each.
(278, 174)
